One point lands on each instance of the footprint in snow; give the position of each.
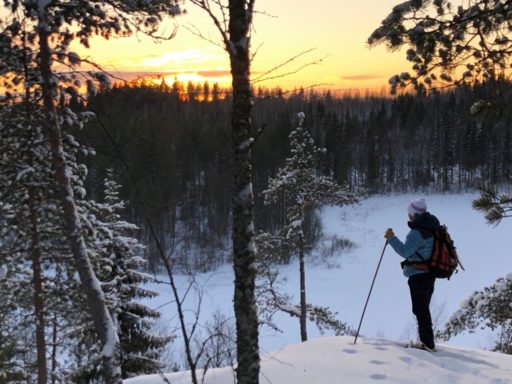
(377, 362)
(378, 376)
(351, 351)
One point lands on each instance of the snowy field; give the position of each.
(335, 360)
(344, 283)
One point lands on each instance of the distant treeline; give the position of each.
(170, 150)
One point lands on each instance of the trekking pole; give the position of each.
(369, 293)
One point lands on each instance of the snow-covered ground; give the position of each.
(343, 285)
(334, 360)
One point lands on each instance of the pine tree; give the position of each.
(122, 280)
(11, 368)
(40, 281)
(448, 46)
(299, 185)
(23, 181)
(495, 206)
(490, 308)
(270, 298)
(43, 37)
(117, 260)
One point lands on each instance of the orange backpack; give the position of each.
(444, 260)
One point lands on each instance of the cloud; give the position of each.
(361, 77)
(180, 58)
(195, 76)
(214, 73)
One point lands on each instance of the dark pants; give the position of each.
(422, 288)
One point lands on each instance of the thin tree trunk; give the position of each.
(102, 320)
(303, 309)
(54, 349)
(181, 315)
(42, 370)
(244, 250)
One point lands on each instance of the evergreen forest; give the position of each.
(169, 147)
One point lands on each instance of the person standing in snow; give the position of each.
(417, 248)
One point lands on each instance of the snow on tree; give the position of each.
(22, 233)
(114, 253)
(270, 298)
(487, 308)
(117, 257)
(37, 35)
(495, 206)
(39, 287)
(13, 277)
(447, 43)
(301, 187)
(234, 23)
(10, 365)
(450, 45)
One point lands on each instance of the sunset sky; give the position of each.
(334, 30)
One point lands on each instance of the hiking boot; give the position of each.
(420, 345)
(429, 349)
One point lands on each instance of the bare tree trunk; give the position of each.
(54, 350)
(42, 368)
(237, 44)
(103, 322)
(181, 315)
(303, 308)
(244, 250)
(42, 371)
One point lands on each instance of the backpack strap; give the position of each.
(409, 262)
(421, 257)
(435, 236)
(422, 265)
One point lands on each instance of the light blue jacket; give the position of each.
(419, 239)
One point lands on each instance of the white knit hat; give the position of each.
(417, 207)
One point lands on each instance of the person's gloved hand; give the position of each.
(389, 234)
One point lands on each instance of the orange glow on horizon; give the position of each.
(332, 32)
(197, 78)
